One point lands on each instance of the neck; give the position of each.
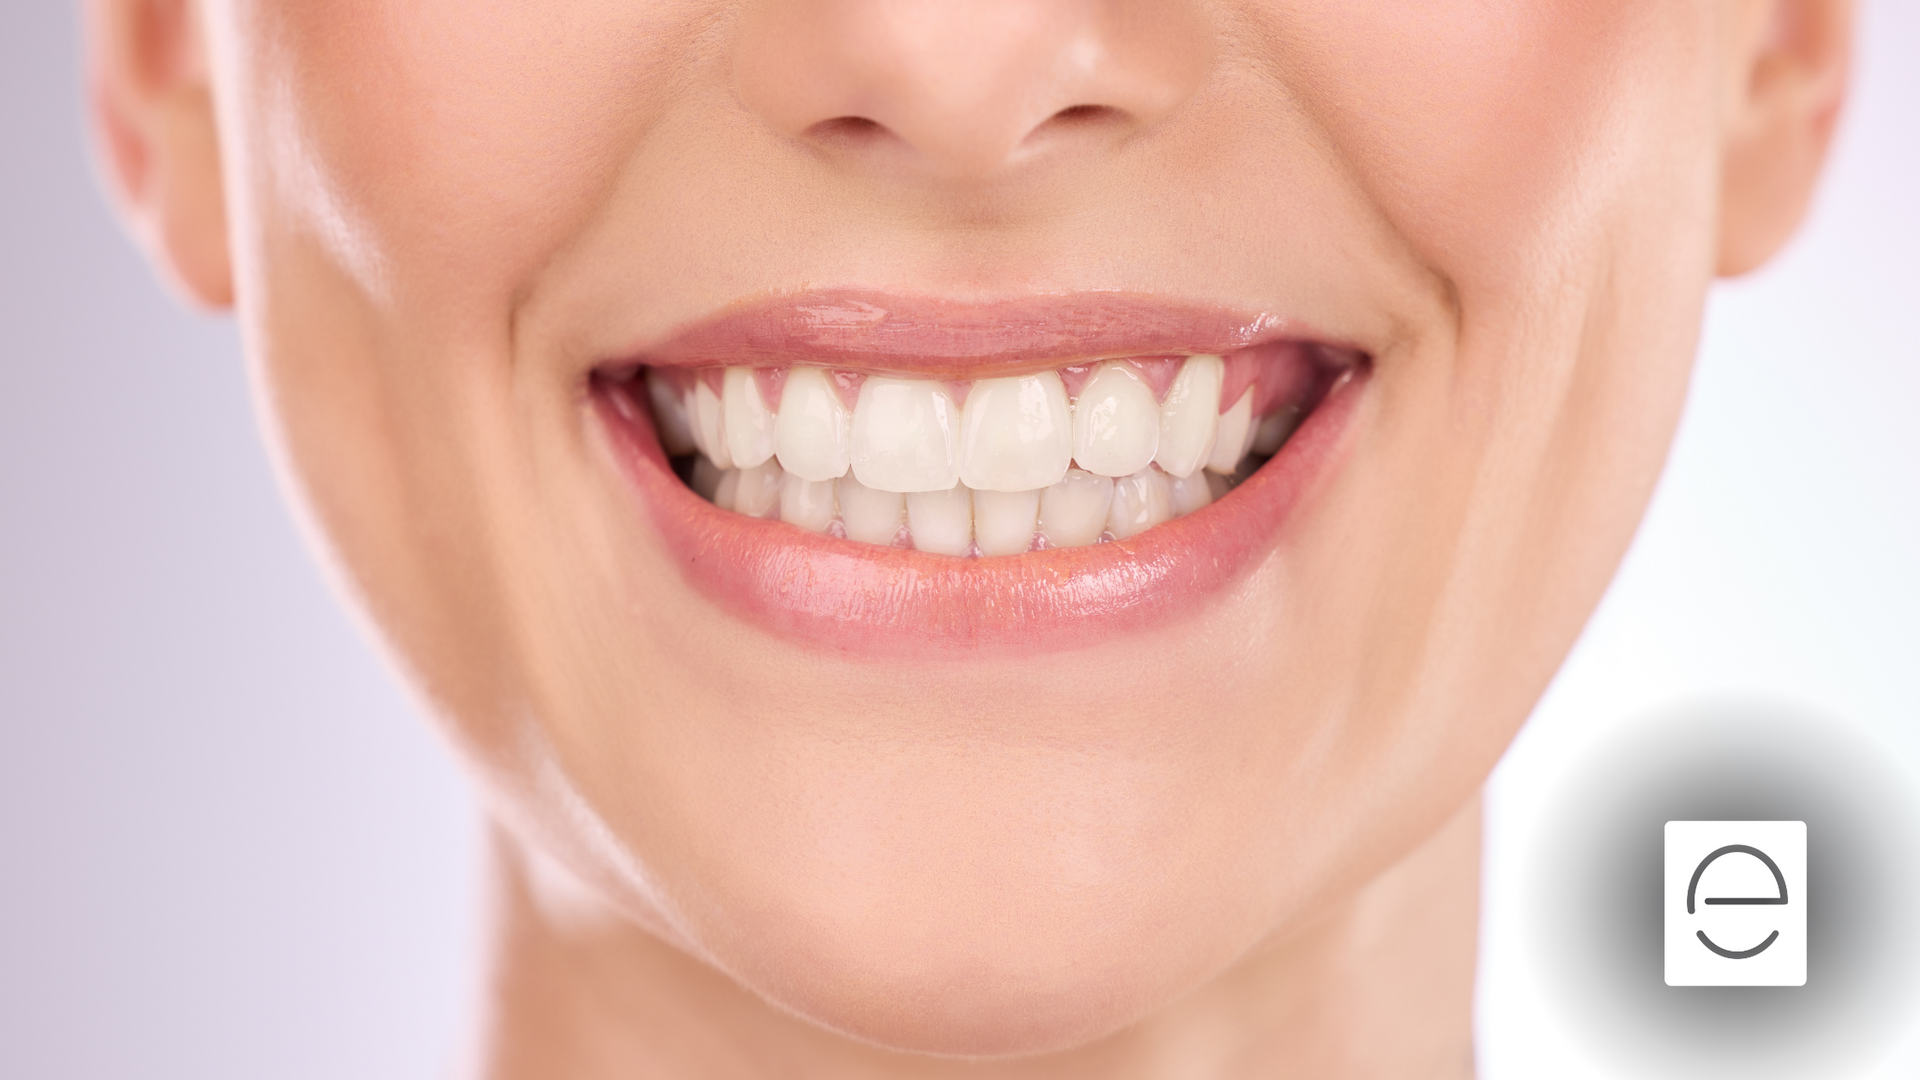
(1380, 986)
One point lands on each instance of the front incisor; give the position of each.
(905, 435)
(1015, 433)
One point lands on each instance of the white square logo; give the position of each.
(1736, 903)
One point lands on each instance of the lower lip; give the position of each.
(861, 599)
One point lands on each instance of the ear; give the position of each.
(152, 109)
(1786, 71)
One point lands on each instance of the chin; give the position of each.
(986, 936)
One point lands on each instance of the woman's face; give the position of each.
(961, 803)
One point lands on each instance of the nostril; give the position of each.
(1077, 118)
(1085, 114)
(846, 129)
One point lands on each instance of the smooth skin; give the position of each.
(1244, 843)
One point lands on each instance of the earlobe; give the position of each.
(1786, 71)
(154, 130)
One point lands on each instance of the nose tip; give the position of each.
(966, 88)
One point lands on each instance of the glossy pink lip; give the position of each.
(854, 329)
(860, 599)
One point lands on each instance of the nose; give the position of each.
(967, 88)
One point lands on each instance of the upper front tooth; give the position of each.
(813, 430)
(748, 422)
(904, 436)
(1015, 433)
(1116, 424)
(669, 416)
(1230, 442)
(1190, 415)
(1140, 502)
(709, 424)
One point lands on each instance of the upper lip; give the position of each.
(856, 329)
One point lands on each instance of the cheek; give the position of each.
(1491, 132)
(462, 140)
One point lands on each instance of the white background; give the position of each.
(229, 849)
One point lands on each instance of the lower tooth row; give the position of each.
(1082, 508)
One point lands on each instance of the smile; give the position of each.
(855, 492)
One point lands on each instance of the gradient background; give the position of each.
(229, 848)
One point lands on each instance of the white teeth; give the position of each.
(1230, 441)
(1189, 493)
(806, 503)
(723, 495)
(709, 425)
(1189, 415)
(1140, 502)
(904, 436)
(748, 422)
(1274, 430)
(941, 521)
(1073, 512)
(669, 416)
(1015, 434)
(870, 516)
(813, 432)
(1019, 467)
(758, 494)
(1116, 424)
(1003, 521)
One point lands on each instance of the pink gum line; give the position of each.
(1283, 372)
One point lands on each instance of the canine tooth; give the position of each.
(1116, 423)
(1230, 441)
(1217, 484)
(812, 431)
(1190, 415)
(870, 515)
(904, 436)
(758, 494)
(723, 495)
(1003, 521)
(806, 503)
(709, 424)
(1015, 433)
(748, 421)
(941, 521)
(705, 479)
(669, 416)
(1140, 502)
(1188, 493)
(1074, 511)
(1274, 431)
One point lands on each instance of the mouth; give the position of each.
(875, 475)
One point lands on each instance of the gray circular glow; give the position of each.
(1595, 912)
